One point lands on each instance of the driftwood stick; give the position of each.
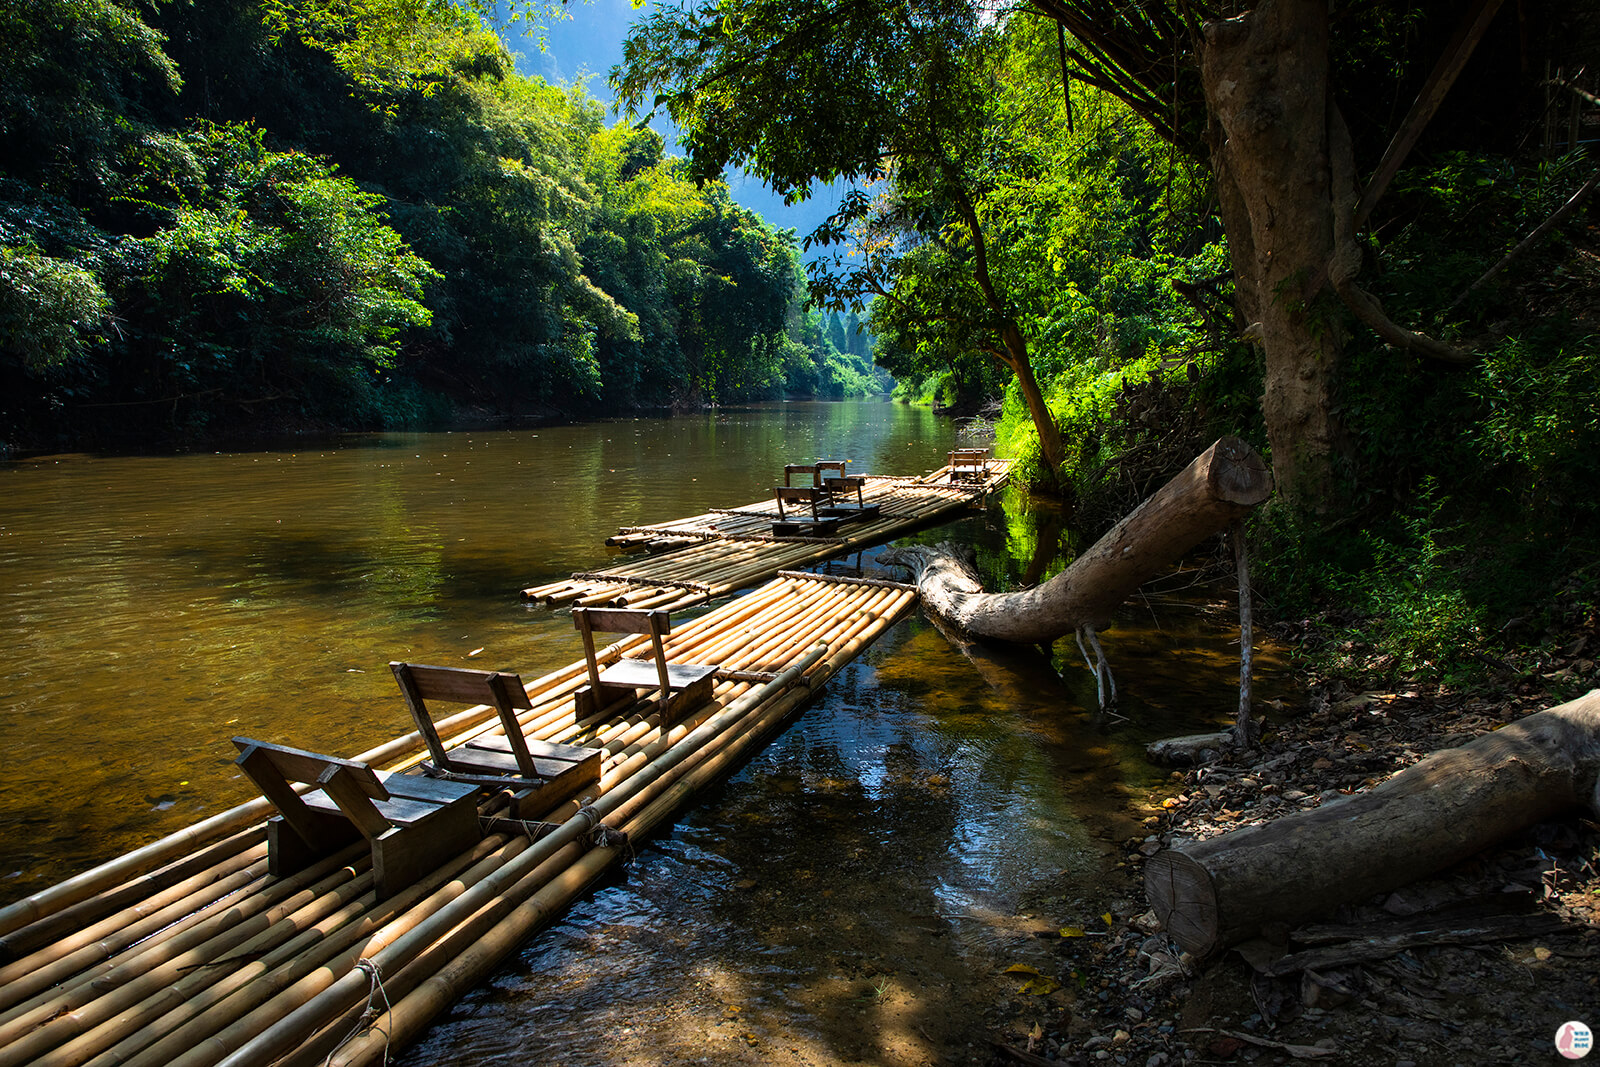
(1376, 945)
(1245, 727)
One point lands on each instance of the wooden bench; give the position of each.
(414, 824)
(542, 773)
(969, 464)
(678, 686)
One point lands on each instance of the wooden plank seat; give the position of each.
(678, 686)
(413, 824)
(541, 773)
(969, 464)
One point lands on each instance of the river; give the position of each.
(830, 902)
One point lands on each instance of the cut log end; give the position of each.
(1238, 474)
(1184, 900)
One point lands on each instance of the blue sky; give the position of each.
(589, 42)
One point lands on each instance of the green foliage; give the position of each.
(339, 210)
(292, 252)
(51, 310)
(73, 73)
(1539, 437)
(1412, 592)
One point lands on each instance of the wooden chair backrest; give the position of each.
(420, 683)
(652, 621)
(797, 494)
(826, 465)
(352, 786)
(791, 469)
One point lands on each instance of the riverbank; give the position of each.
(1127, 996)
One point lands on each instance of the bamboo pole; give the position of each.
(166, 989)
(314, 974)
(128, 874)
(60, 961)
(161, 1042)
(281, 1037)
(82, 1005)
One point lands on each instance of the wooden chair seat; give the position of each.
(413, 824)
(678, 686)
(542, 774)
(642, 674)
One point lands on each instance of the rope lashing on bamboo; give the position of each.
(375, 991)
(532, 829)
(599, 835)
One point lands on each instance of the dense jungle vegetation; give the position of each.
(224, 216)
(1143, 225)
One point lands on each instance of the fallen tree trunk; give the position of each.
(1216, 893)
(1223, 483)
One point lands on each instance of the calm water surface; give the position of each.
(153, 607)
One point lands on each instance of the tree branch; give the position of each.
(1346, 263)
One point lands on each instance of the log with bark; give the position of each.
(1216, 893)
(1223, 483)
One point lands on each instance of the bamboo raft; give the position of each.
(698, 559)
(187, 952)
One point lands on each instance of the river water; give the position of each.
(838, 899)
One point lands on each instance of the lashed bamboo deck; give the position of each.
(187, 952)
(703, 557)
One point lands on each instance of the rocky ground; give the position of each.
(1122, 993)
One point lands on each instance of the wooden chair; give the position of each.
(678, 686)
(792, 469)
(414, 824)
(820, 524)
(509, 759)
(969, 464)
(840, 488)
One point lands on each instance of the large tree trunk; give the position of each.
(1265, 76)
(1216, 893)
(1222, 484)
